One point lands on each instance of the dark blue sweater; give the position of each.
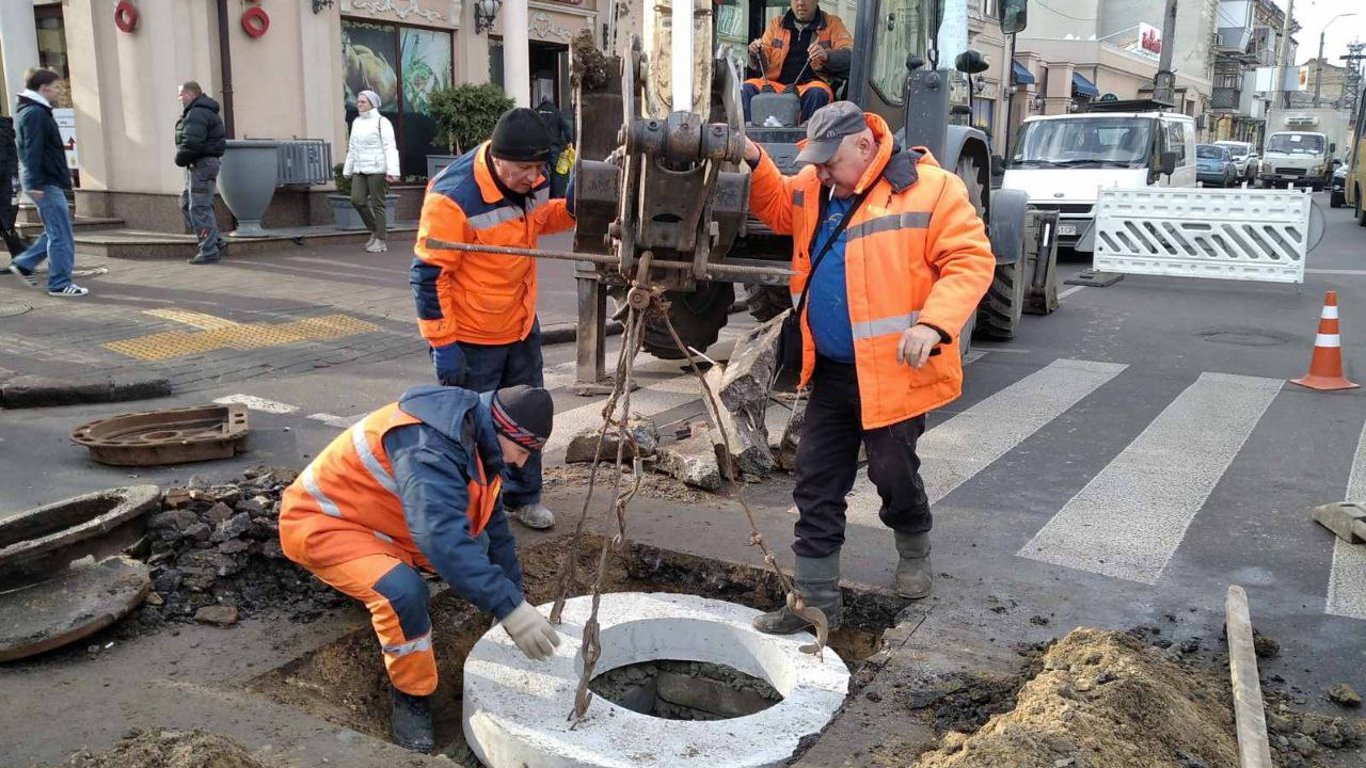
(41, 151)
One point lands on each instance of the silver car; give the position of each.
(1244, 158)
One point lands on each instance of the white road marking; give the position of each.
(1069, 291)
(1129, 520)
(955, 451)
(1347, 580)
(340, 422)
(649, 400)
(258, 404)
(1344, 272)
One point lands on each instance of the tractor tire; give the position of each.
(698, 316)
(998, 315)
(766, 302)
(965, 338)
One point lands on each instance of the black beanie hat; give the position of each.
(524, 415)
(521, 136)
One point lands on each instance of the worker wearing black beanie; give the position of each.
(477, 310)
(521, 137)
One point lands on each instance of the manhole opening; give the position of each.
(344, 682)
(57, 519)
(685, 690)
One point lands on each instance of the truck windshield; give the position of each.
(1093, 142)
(1295, 143)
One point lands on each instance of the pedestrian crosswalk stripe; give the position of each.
(1129, 520)
(257, 404)
(1347, 580)
(964, 445)
(649, 400)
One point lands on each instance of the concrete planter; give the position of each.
(345, 216)
(247, 182)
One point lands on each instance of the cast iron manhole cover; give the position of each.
(1243, 337)
(90, 272)
(10, 310)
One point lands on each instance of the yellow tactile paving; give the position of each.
(217, 333)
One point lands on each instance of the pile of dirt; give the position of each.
(215, 553)
(169, 749)
(1110, 700)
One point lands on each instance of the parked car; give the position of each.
(1337, 196)
(1244, 158)
(1214, 165)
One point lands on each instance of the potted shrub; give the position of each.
(344, 215)
(465, 116)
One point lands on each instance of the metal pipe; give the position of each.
(225, 69)
(681, 49)
(713, 270)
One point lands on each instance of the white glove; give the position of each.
(531, 632)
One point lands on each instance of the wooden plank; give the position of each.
(1253, 748)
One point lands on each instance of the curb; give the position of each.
(567, 333)
(43, 392)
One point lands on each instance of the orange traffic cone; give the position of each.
(1325, 369)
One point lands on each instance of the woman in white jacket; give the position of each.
(371, 165)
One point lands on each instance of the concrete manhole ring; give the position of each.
(13, 309)
(515, 710)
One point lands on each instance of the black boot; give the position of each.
(411, 722)
(818, 582)
(914, 576)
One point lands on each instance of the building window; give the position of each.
(991, 8)
(403, 65)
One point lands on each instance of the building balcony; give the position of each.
(1234, 25)
(1226, 99)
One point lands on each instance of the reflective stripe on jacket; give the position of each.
(350, 487)
(777, 41)
(916, 251)
(480, 298)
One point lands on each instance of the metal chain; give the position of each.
(643, 304)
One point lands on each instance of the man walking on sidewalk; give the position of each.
(478, 310)
(47, 180)
(891, 260)
(200, 141)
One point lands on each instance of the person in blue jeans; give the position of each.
(47, 180)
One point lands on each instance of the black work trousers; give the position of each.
(827, 463)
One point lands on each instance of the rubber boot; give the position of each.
(914, 575)
(818, 582)
(536, 516)
(411, 723)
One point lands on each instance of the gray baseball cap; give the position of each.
(827, 128)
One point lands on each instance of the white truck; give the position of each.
(1063, 161)
(1301, 147)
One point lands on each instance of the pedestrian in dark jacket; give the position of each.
(47, 180)
(413, 488)
(9, 167)
(200, 141)
(560, 138)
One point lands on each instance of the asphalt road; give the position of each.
(1120, 463)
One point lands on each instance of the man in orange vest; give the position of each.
(414, 488)
(891, 260)
(478, 310)
(802, 49)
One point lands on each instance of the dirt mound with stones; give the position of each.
(215, 555)
(1108, 700)
(169, 749)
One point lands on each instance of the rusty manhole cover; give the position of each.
(12, 309)
(90, 272)
(79, 602)
(169, 436)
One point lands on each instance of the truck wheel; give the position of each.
(965, 337)
(998, 315)
(698, 316)
(766, 302)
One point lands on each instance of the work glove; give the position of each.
(534, 636)
(449, 361)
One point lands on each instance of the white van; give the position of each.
(1061, 161)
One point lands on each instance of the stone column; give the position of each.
(517, 52)
(18, 47)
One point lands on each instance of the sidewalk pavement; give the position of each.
(298, 308)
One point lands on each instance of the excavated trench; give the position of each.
(344, 682)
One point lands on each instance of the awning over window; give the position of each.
(1083, 87)
(1022, 76)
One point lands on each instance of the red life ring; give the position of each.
(255, 21)
(126, 16)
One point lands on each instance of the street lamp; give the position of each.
(1318, 63)
(485, 11)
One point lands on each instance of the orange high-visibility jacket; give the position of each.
(480, 298)
(915, 252)
(350, 488)
(777, 40)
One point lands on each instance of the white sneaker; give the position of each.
(369, 243)
(30, 280)
(536, 516)
(376, 246)
(71, 289)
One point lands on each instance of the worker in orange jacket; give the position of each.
(891, 260)
(478, 310)
(415, 488)
(803, 49)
